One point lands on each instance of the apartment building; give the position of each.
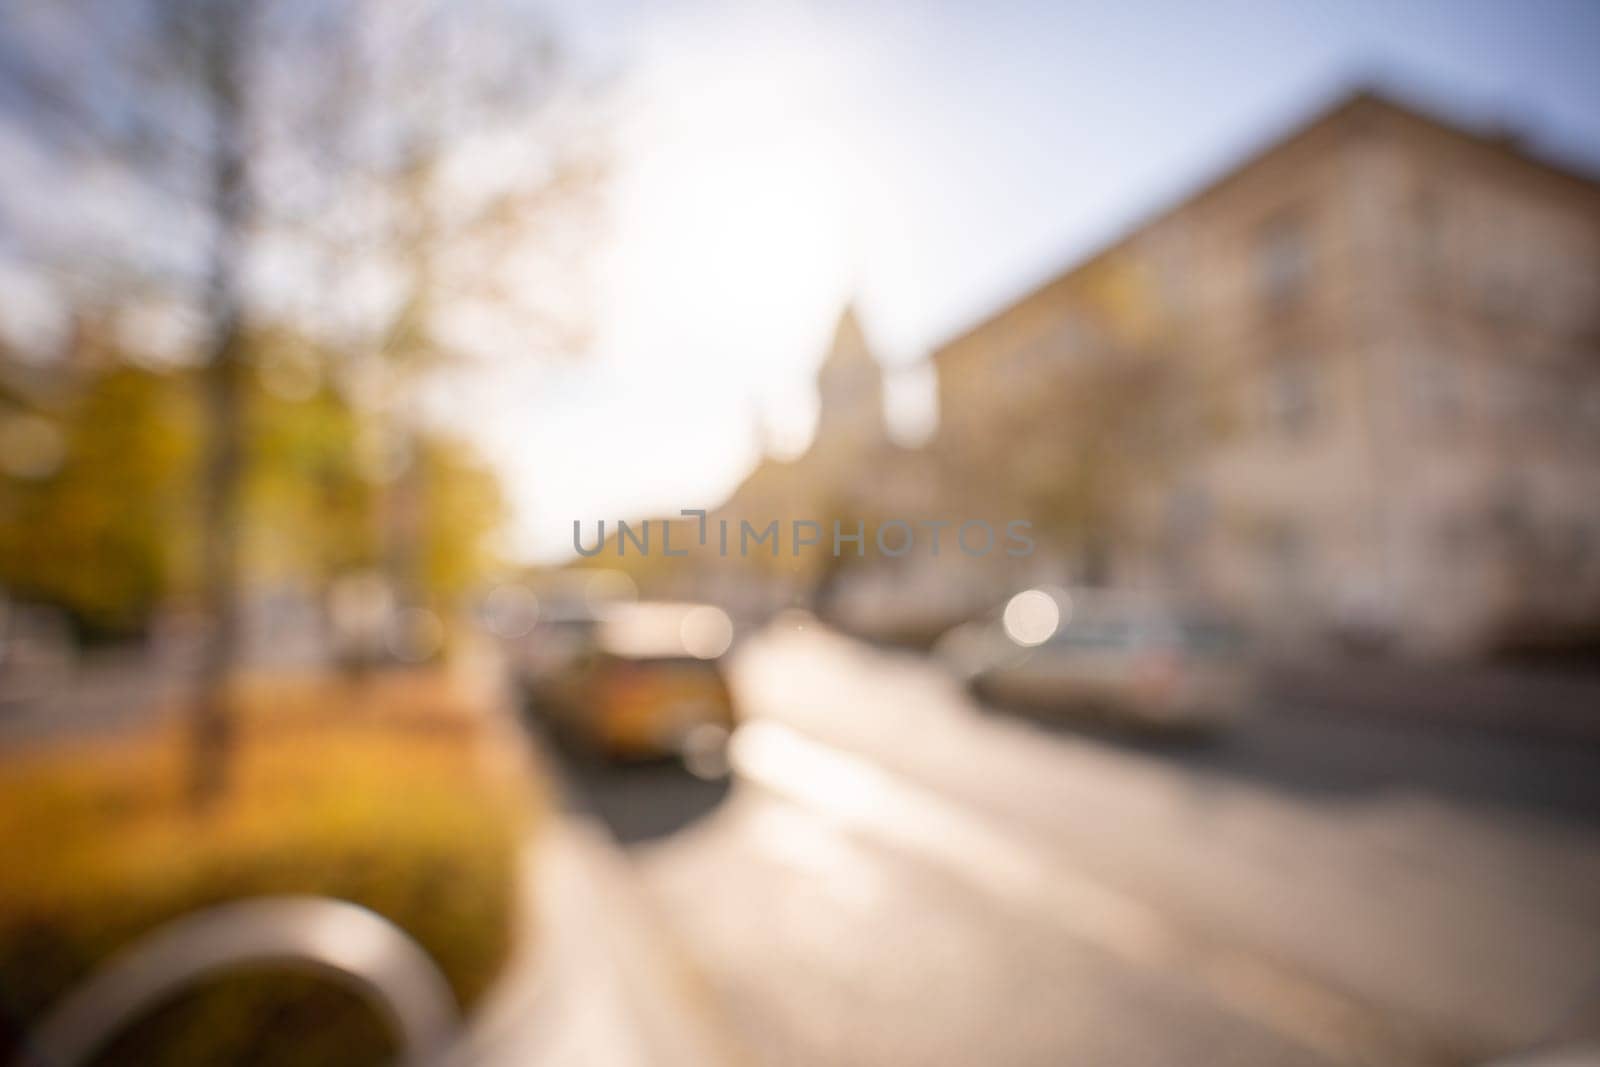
(1351, 387)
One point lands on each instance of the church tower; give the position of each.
(850, 392)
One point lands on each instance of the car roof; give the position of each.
(651, 629)
(1080, 603)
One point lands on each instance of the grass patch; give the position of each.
(386, 792)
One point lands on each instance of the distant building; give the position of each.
(1352, 387)
(853, 472)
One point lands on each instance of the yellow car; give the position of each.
(647, 683)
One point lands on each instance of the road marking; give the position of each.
(864, 797)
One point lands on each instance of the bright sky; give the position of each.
(933, 160)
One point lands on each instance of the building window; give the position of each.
(1588, 401)
(1435, 390)
(1283, 262)
(1287, 557)
(1455, 537)
(1586, 545)
(1292, 397)
(1431, 257)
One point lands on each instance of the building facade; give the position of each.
(1351, 388)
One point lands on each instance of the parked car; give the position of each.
(632, 681)
(36, 650)
(1125, 657)
(544, 659)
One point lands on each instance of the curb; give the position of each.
(594, 979)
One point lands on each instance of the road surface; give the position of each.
(899, 877)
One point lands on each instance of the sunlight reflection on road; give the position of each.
(853, 794)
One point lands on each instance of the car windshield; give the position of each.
(1212, 637)
(570, 627)
(1095, 633)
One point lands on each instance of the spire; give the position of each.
(850, 386)
(849, 342)
(848, 355)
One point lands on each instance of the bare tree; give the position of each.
(469, 146)
(157, 95)
(220, 41)
(293, 158)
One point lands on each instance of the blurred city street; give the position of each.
(899, 876)
(557, 533)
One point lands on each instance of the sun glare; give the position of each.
(734, 244)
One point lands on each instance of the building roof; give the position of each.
(1365, 100)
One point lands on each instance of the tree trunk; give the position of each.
(212, 724)
(405, 511)
(212, 727)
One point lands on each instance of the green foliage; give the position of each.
(111, 533)
(101, 534)
(309, 504)
(465, 508)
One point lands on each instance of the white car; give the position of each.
(1126, 657)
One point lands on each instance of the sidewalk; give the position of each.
(593, 980)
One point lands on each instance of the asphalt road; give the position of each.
(898, 876)
(98, 696)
